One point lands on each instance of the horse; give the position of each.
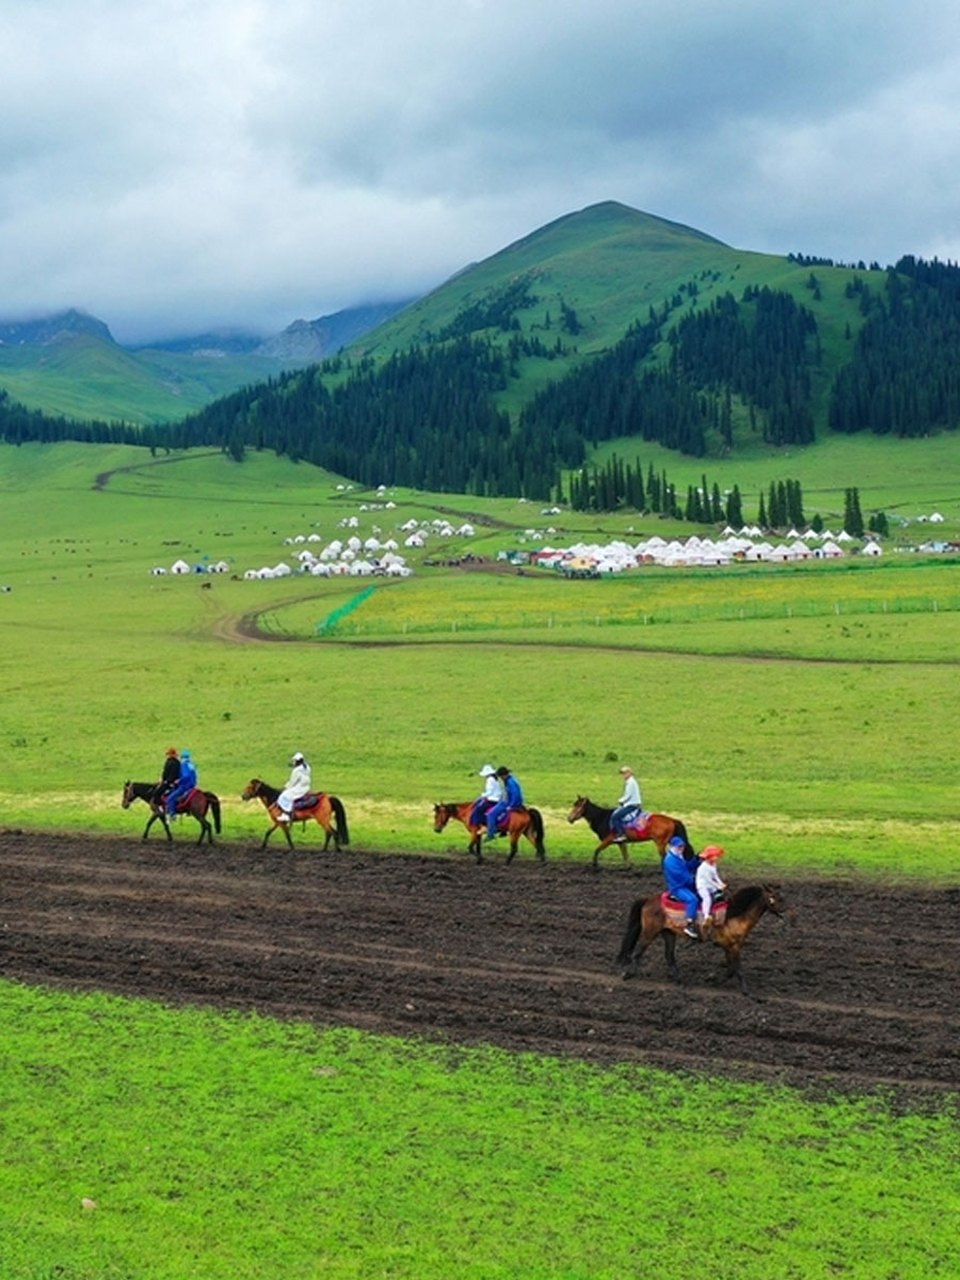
(196, 802)
(520, 822)
(325, 809)
(648, 920)
(659, 828)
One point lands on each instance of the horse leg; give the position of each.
(633, 963)
(734, 970)
(670, 952)
(623, 850)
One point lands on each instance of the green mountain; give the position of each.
(608, 325)
(69, 364)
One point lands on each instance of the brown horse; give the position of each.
(520, 822)
(660, 828)
(196, 803)
(648, 920)
(325, 809)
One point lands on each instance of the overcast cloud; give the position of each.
(171, 165)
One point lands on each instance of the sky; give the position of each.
(172, 166)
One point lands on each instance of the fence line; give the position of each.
(751, 610)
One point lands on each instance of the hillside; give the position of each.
(69, 364)
(608, 325)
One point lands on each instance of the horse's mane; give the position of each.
(744, 899)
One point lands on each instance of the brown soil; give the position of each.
(857, 992)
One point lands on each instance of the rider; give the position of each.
(492, 794)
(680, 874)
(169, 777)
(629, 804)
(709, 884)
(512, 800)
(298, 784)
(185, 783)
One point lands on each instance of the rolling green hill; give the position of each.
(606, 325)
(86, 376)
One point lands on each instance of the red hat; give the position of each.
(171, 751)
(712, 851)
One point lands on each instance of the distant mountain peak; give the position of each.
(42, 331)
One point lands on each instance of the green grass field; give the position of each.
(224, 1146)
(229, 1147)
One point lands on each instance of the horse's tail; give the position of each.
(340, 813)
(536, 822)
(632, 935)
(214, 803)
(680, 830)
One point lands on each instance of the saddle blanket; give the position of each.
(636, 828)
(676, 912)
(184, 802)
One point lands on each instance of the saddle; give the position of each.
(309, 801)
(676, 911)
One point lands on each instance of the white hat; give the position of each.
(487, 771)
(297, 757)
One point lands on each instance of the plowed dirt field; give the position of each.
(858, 991)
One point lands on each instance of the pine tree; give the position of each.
(735, 508)
(852, 515)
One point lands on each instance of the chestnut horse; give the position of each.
(660, 828)
(520, 822)
(647, 920)
(196, 802)
(325, 809)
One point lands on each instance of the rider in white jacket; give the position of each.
(629, 804)
(298, 784)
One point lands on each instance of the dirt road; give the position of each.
(858, 992)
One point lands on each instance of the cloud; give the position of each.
(172, 165)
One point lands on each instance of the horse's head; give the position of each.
(441, 816)
(578, 810)
(128, 796)
(251, 790)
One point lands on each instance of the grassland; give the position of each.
(89, 378)
(236, 1148)
(217, 1146)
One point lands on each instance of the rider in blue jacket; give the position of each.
(512, 799)
(188, 780)
(680, 873)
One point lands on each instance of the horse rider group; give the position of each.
(693, 881)
(502, 795)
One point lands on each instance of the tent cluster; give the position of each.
(729, 548)
(352, 558)
(358, 557)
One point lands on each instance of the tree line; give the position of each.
(430, 416)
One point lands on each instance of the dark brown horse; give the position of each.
(196, 803)
(659, 828)
(325, 809)
(648, 920)
(520, 822)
